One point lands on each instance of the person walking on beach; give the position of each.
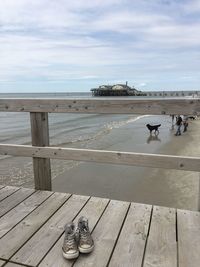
(178, 123)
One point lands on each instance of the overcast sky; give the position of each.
(63, 45)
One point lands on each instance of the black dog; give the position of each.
(153, 128)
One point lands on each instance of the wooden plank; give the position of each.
(92, 210)
(161, 247)
(188, 223)
(40, 137)
(15, 238)
(14, 199)
(111, 106)
(7, 191)
(2, 263)
(114, 157)
(38, 246)
(11, 264)
(105, 234)
(14, 216)
(130, 246)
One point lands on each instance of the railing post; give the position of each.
(40, 137)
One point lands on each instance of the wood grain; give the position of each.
(11, 264)
(132, 240)
(14, 199)
(105, 235)
(7, 191)
(92, 210)
(18, 213)
(161, 250)
(102, 106)
(15, 238)
(31, 233)
(40, 137)
(188, 223)
(113, 157)
(38, 246)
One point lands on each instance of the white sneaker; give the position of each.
(70, 249)
(86, 243)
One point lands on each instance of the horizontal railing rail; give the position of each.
(104, 156)
(41, 152)
(103, 106)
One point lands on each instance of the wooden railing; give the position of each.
(41, 152)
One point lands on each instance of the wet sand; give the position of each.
(171, 188)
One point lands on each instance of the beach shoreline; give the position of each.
(171, 188)
(163, 187)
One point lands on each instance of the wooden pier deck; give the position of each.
(125, 234)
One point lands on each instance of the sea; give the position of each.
(126, 132)
(65, 129)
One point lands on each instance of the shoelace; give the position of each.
(70, 241)
(85, 235)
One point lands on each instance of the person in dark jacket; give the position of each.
(178, 123)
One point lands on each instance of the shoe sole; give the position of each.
(86, 250)
(71, 256)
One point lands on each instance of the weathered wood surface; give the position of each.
(188, 224)
(40, 137)
(35, 249)
(135, 230)
(10, 264)
(102, 156)
(14, 216)
(105, 234)
(125, 234)
(161, 248)
(7, 191)
(92, 210)
(15, 238)
(115, 106)
(14, 199)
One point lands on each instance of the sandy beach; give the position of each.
(108, 132)
(171, 188)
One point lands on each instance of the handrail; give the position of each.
(41, 152)
(103, 106)
(104, 156)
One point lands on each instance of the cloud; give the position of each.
(191, 6)
(142, 84)
(60, 41)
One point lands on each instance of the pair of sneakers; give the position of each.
(77, 239)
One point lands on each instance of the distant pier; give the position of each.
(116, 90)
(190, 93)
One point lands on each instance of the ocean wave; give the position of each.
(118, 124)
(86, 140)
(85, 136)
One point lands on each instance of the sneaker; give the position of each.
(70, 249)
(86, 243)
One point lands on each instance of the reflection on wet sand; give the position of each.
(153, 138)
(172, 128)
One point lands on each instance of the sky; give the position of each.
(73, 46)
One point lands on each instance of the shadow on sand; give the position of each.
(153, 138)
